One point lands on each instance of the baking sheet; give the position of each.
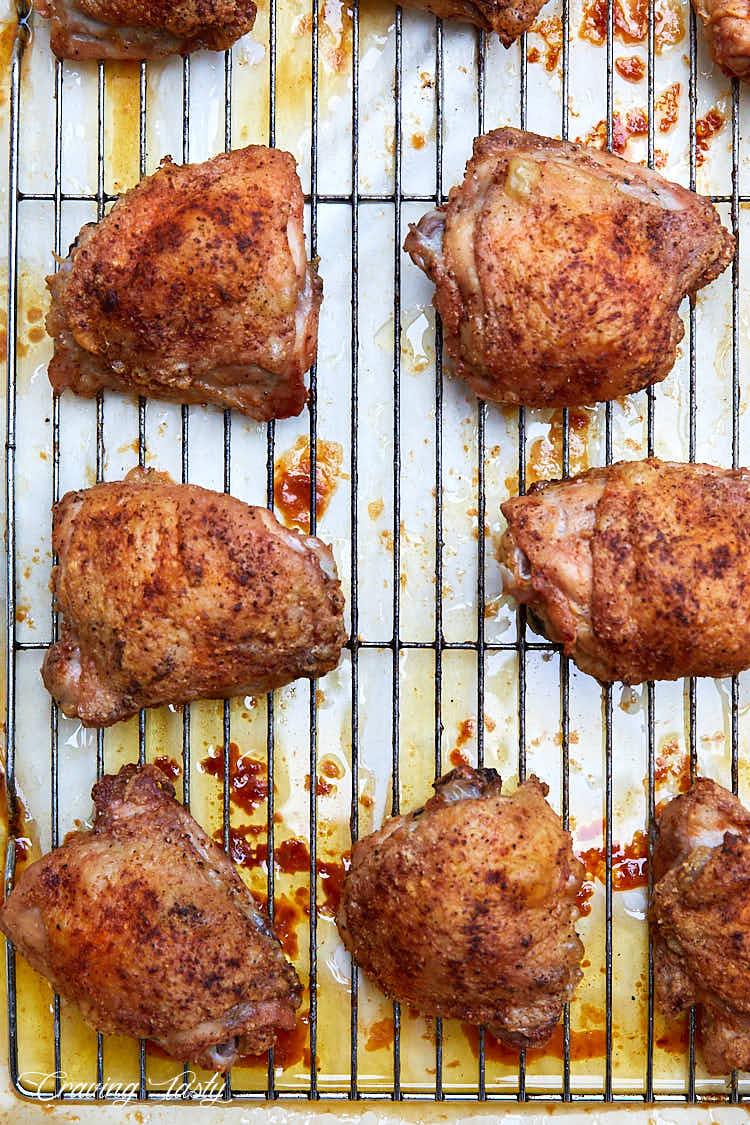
(423, 437)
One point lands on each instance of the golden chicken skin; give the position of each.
(726, 24)
(508, 20)
(559, 270)
(144, 924)
(195, 287)
(640, 570)
(465, 908)
(143, 29)
(700, 919)
(170, 592)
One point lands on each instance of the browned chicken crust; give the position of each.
(144, 924)
(700, 919)
(641, 570)
(170, 592)
(508, 20)
(559, 270)
(196, 288)
(144, 29)
(727, 27)
(466, 907)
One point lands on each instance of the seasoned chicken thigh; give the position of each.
(641, 570)
(195, 287)
(170, 592)
(143, 29)
(466, 907)
(727, 27)
(507, 19)
(143, 923)
(559, 270)
(700, 919)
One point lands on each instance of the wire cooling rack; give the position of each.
(535, 664)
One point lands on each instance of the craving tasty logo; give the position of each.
(49, 1085)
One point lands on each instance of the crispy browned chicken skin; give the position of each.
(144, 924)
(508, 20)
(559, 270)
(143, 29)
(466, 907)
(641, 570)
(170, 592)
(195, 287)
(700, 919)
(727, 27)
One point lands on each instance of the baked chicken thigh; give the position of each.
(170, 592)
(466, 907)
(727, 27)
(195, 287)
(508, 19)
(700, 919)
(640, 570)
(143, 923)
(559, 270)
(143, 29)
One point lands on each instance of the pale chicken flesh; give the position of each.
(466, 907)
(559, 270)
(171, 592)
(195, 287)
(641, 570)
(144, 924)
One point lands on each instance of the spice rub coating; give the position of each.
(559, 270)
(640, 570)
(699, 917)
(195, 287)
(144, 924)
(466, 907)
(171, 592)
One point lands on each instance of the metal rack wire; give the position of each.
(356, 199)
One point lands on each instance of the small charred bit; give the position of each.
(170, 592)
(143, 922)
(466, 783)
(699, 915)
(639, 570)
(559, 270)
(497, 944)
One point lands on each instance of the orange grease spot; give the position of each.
(551, 32)
(706, 129)
(291, 481)
(379, 1035)
(672, 762)
(630, 67)
(629, 868)
(168, 766)
(668, 105)
(545, 455)
(248, 780)
(630, 19)
(589, 1043)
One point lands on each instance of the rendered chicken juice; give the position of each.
(419, 701)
